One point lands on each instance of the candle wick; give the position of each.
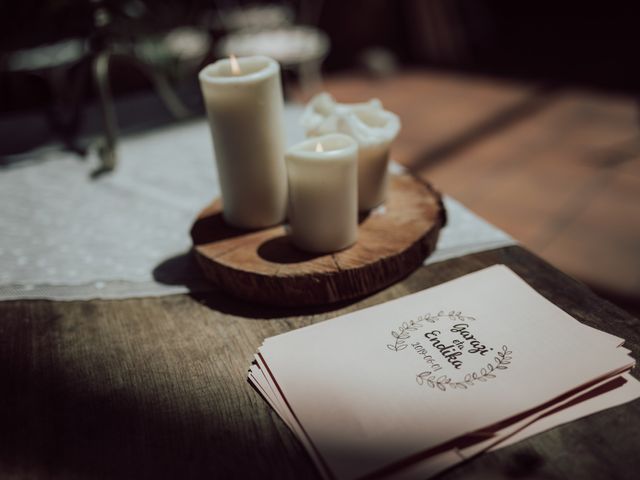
(319, 147)
(235, 66)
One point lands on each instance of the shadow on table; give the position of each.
(225, 303)
(184, 270)
(539, 99)
(80, 415)
(181, 270)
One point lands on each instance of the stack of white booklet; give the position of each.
(411, 387)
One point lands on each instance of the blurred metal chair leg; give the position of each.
(108, 144)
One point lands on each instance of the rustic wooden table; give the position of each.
(155, 388)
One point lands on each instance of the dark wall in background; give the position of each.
(562, 41)
(594, 44)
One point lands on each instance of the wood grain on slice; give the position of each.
(263, 266)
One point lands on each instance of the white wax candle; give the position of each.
(322, 113)
(371, 126)
(245, 110)
(323, 200)
(374, 129)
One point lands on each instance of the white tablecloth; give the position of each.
(65, 236)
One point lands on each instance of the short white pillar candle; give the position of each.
(245, 108)
(323, 193)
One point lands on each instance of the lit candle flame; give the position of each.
(319, 147)
(235, 66)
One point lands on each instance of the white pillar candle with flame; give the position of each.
(245, 108)
(323, 193)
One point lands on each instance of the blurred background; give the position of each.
(527, 112)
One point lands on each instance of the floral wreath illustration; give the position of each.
(502, 360)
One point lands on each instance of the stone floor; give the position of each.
(557, 168)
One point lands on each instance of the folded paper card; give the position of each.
(401, 388)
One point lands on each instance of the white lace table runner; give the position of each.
(64, 236)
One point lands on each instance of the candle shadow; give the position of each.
(363, 216)
(183, 270)
(213, 228)
(281, 250)
(210, 227)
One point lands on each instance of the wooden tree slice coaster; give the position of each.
(263, 265)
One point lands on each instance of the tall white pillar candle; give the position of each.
(244, 105)
(323, 193)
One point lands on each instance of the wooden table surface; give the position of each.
(564, 158)
(156, 388)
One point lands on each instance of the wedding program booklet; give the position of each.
(416, 385)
